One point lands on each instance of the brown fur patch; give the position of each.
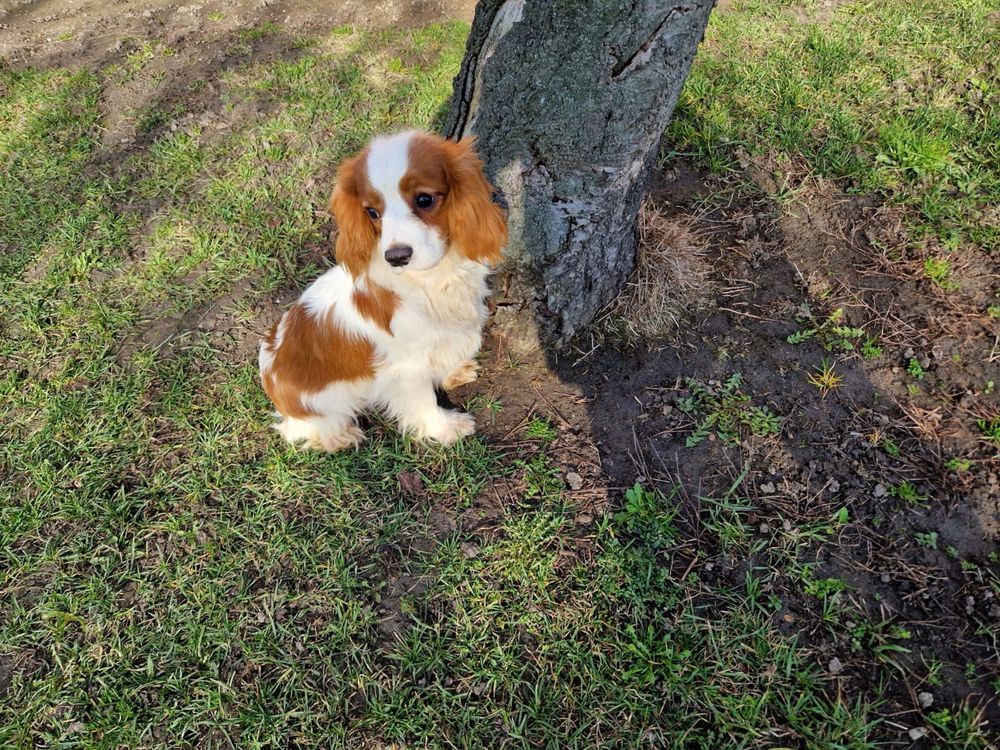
(478, 228)
(314, 352)
(356, 232)
(427, 174)
(465, 212)
(377, 304)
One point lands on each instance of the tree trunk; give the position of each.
(569, 100)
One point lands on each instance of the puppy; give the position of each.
(402, 312)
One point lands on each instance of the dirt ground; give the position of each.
(82, 32)
(616, 408)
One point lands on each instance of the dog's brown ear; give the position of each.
(476, 225)
(355, 231)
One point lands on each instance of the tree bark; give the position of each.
(569, 100)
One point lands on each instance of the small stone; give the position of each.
(885, 578)
(584, 519)
(970, 604)
(834, 486)
(995, 611)
(880, 490)
(764, 528)
(786, 525)
(767, 488)
(917, 733)
(835, 666)
(908, 353)
(574, 480)
(925, 699)
(470, 549)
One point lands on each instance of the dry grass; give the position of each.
(672, 277)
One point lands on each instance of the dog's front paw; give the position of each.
(451, 426)
(464, 373)
(351, 437)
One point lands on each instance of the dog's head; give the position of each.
(408, 199)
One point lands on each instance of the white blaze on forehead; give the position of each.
(388, 160)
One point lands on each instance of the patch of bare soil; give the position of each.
(93, 33)
(163, 60)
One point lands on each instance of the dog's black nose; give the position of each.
(398, 255)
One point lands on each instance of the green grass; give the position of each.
(897, 97)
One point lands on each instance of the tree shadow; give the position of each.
(855, 490)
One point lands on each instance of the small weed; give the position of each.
(259, 32)
(963, 728)
(542, 480)
(993, 311)
(928, 539)
(649, 515)
(915, 369)
(830, 332)
(880, 638)
(539, 429)
(870, 348)
(825, 379)
(821, 588)
(957, 464)
(907, 493)
(934, 670)
(938, 270)
(726, 412)
(990, 429)
(215, 16)
(482, 402)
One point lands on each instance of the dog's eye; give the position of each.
(424, 201)
(372, 213)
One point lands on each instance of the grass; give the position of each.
(172, 575)
(896, 97)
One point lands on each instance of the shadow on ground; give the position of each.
(897, 598)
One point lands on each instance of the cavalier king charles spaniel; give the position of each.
(402, 312)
